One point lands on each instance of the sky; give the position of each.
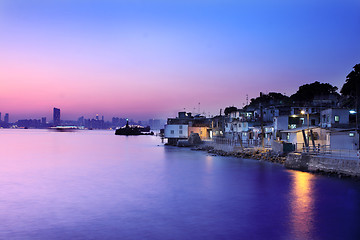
(151, 59)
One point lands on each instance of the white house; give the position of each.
(342, 139)
(281, 123)
(237, 129)
(334, 117)
(174, 132)
(296, 136)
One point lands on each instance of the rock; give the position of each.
(194, 139)
(183, 143)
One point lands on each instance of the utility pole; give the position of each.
(262, 127)
(357, 110)
(308, 126)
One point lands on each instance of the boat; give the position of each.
(133, 130)
(64, 128)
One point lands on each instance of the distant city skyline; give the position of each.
(59, 119)
(151, 59)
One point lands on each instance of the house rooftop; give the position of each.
(298, 129)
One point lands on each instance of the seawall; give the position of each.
(237, 151)
(321, 163)
(297, 161)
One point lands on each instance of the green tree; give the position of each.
(229, 110)
(307, 92)
(351, 88)
(273, 98)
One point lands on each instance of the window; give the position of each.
(351, 134)
(337, 118)
(180, 127)
(172, 132)
(180, 131)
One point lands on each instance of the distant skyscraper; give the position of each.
(0, 116)
(81, 121)
(6, 118)
(154, 123)
(43, 120)
(56, 117)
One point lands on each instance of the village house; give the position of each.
(342, 139)
(177, 128)
(304, 137)
(181, 127)
(335, 117)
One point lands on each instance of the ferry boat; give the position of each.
(64, 128)
(134, 130)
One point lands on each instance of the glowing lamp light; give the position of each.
(302, 111)
(352, 111)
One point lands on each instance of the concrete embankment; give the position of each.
(236, 151)
(325, 164)
(297, 161)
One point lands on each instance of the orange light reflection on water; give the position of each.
(302, 205)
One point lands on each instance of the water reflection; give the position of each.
(209, 163)
(301, 205)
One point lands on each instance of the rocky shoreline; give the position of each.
(252, 153)
(269, 156)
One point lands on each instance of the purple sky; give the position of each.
(151, 59)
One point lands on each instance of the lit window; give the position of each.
(337, 118)
(351, 134)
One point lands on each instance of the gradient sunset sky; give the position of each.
(151, 59)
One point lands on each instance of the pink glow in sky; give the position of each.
(150, 59)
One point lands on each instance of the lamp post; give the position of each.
(308, 126)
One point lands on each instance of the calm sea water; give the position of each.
(95, 185)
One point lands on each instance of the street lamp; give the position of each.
(308, 126)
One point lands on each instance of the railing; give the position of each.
(326, 150)
(244, 143)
